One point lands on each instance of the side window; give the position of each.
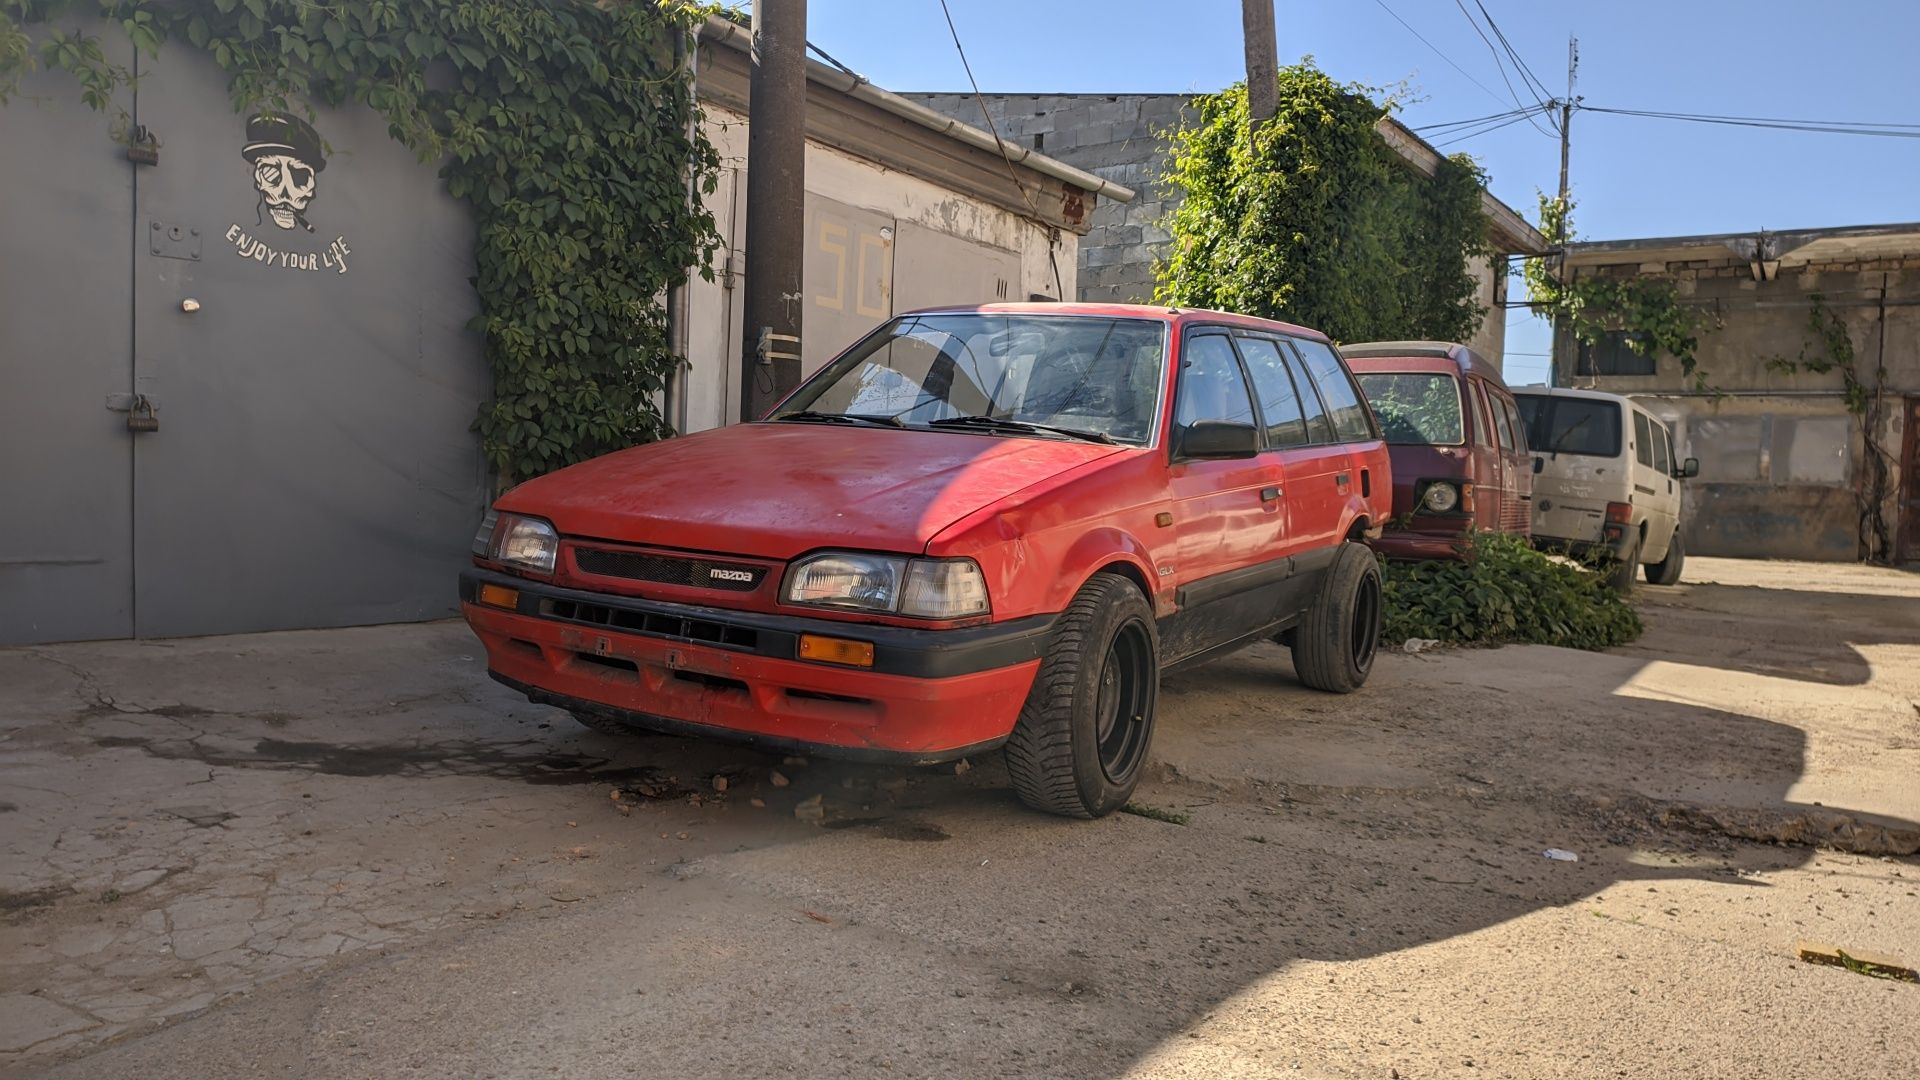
(1211, 386)
(1662, 459)
(1502, 423)
(1513, 420)
(1642, 439)
(1482, 425)
(1279, 400)
(1349, 416)
(1319, 428)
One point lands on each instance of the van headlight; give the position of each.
(1440, 497)
(892, 584)
(526, 543)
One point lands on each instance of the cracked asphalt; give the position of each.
(348, 853)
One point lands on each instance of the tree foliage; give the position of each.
(1648, 308)
(1504, 591)
(562, 124)
(1313, 218)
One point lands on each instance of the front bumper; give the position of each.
(1411, 544)
(931, 696)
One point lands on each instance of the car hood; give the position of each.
(777, 490)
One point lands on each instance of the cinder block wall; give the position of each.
(1113, 136)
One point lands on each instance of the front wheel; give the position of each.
(1334, 646)
(1667, 570)
(1082, 736)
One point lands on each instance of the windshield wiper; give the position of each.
(808, 416)
(996, 423)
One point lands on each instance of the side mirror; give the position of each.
(1689, 467)
(1539, 465)
(1215, 439)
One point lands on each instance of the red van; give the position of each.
(1459, 448)
(976, 528)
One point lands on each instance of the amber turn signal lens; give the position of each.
(500, 596)
(835, 650)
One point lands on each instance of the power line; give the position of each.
(1437, 52)
(1440, 127)
(1539, 88)
(1885, 131)
(1497, 62)
(1462, 136)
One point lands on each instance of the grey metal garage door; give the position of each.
(283, 304)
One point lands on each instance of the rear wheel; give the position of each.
(1082, 736)
(1667, 570)
(1334, 646)
(1620, 576)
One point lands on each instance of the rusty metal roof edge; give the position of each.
(722, 31)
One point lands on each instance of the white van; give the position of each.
(1606, 480)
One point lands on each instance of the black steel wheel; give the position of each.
(1084, 732)
(1335, 645)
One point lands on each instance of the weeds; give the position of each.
(1171, 817)
(1504, 591)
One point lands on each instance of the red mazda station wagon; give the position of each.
(976, 528)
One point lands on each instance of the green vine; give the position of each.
(1648, 308)
(1829, 348)
(562, 124)
(1312, 218)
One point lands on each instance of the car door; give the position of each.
(1327, 476)
(1498, 497)
(1284, 424)
(1516, 467)
(1226, 512)
(1663, 509)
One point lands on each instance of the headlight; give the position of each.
(921, 588)
(524, 542)
(1440, 498)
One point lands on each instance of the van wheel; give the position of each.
(1667, 570)
(1082, 736)
(1620, 576)
(1334, 646)
(605, 725)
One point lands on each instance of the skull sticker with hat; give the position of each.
(287, 160)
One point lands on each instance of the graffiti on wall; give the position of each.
(287, 158)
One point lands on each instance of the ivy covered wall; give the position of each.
(563, 125)
(1313, 219)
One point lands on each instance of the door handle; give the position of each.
(1269, 494)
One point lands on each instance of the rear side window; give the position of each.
(1482, 426)
(1279, 400)
(1642, 440)
(1570, 425)
(1349, 416)
(1319, 428)
(1211, 387)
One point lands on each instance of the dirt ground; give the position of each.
(349, 854)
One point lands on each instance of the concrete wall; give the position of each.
(1784, 463)
(888, 235)
(1121, 137)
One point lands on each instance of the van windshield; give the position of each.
(1568, 425)
(1415, 408)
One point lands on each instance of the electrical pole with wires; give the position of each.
(1263, 62)
(1566, 110)
(776, 205)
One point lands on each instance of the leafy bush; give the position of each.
(1505, 591)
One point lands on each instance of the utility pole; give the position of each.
(1263, 64)
(776, 205)
(1566, 110)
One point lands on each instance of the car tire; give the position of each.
(1081, 742)
(1335, 645)
(600, 722)
(1667, 570)
(1621, 574)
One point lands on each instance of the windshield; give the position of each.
(1415, 408)
(1078, 374)
(1570, 425)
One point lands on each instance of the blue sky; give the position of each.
(1849, 60)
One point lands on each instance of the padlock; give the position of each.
(141, 417)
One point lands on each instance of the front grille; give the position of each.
(652, 624)
(670, 569)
